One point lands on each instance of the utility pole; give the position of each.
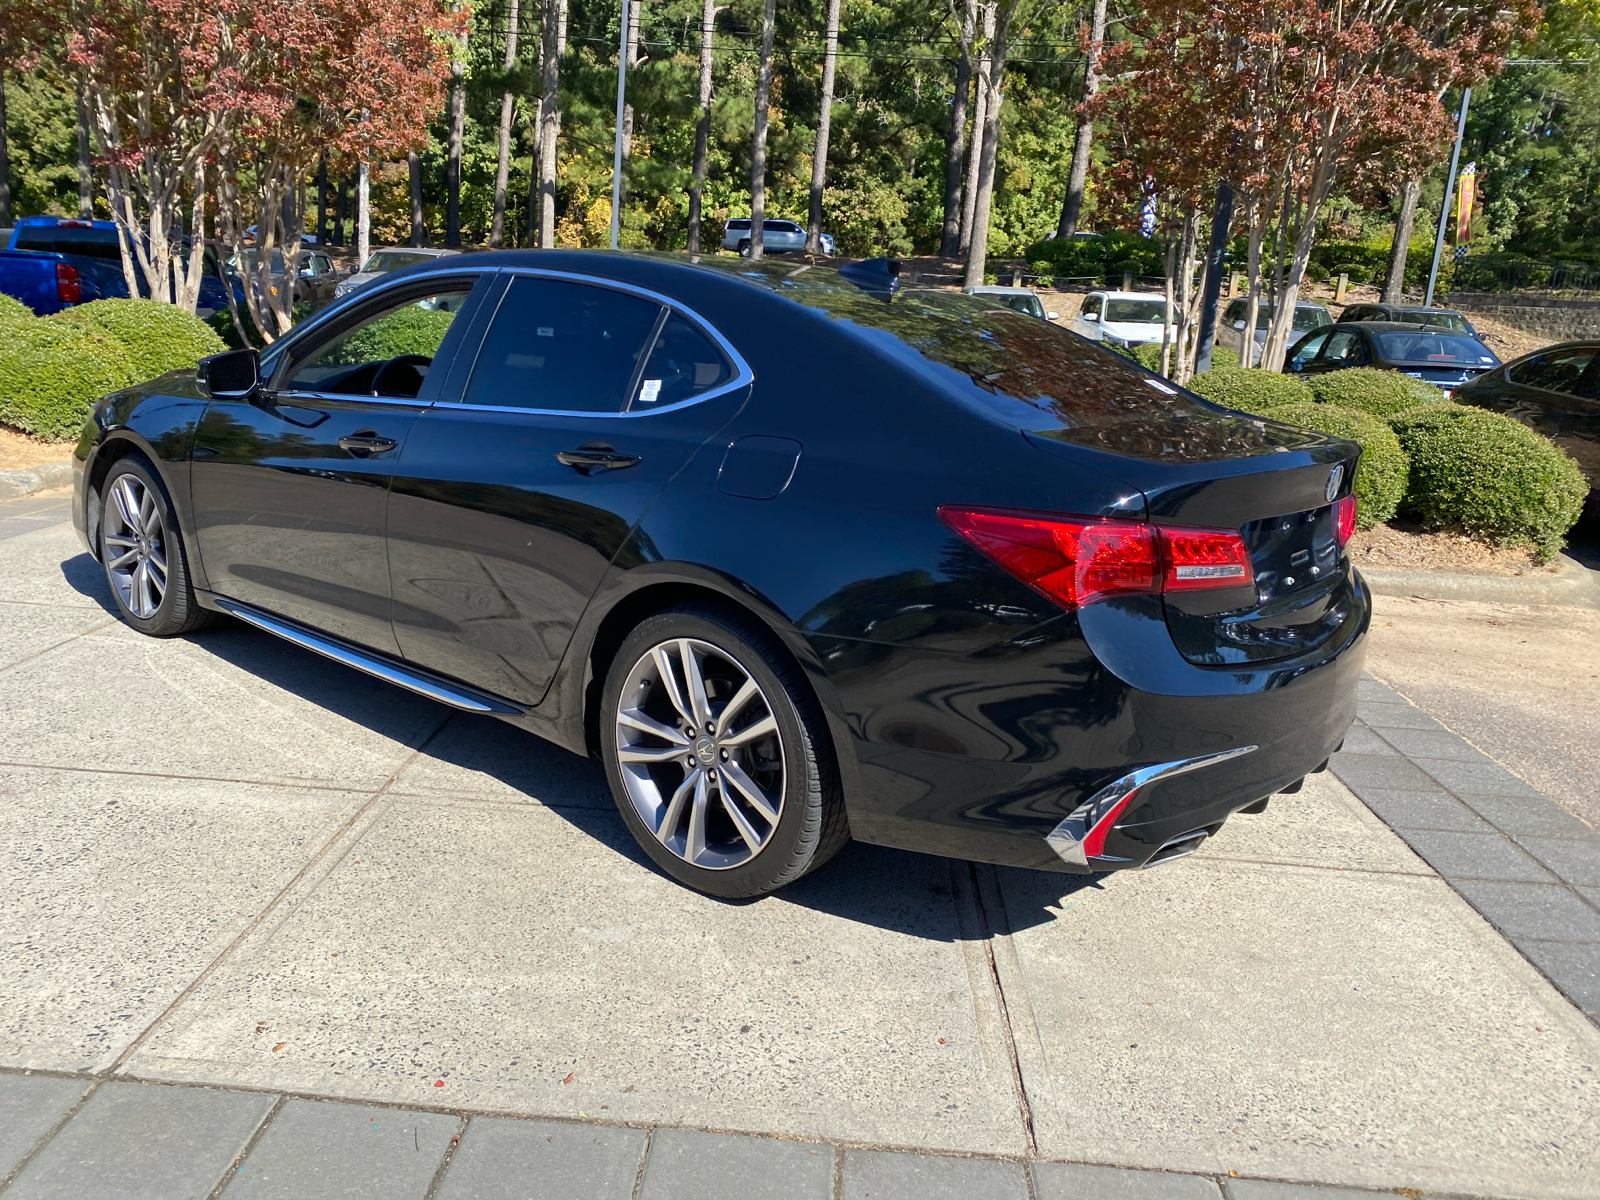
(1449, 187)
(616, 148)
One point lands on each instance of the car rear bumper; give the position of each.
(985, 756)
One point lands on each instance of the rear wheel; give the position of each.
(717, 755)
(142, 552)
(744, 247)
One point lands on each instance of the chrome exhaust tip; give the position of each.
(1181, 846)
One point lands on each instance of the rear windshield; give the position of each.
(1453, 321)
(1037, 374)
(1137, 312)
(392, 260)
(66, 239)
(1446, 348)
(1022, 304)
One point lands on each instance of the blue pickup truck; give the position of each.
(51, 263)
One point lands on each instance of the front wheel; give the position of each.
(142, 552)
(744, 247)
(717, 755)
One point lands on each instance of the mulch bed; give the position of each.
(1402, 547)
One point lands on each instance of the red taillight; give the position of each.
(1094, 842)
(1073, 562)
(1344, 520)
(1204, 558)
(1078, 560)
(67, 290)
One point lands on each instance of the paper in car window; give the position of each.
(650, 391)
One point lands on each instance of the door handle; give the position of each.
(591, 460)
(364, 443)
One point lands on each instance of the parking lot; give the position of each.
(234, 865)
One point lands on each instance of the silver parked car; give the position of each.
(390, 258)
(777, 236)
(1024, 300)
(1308, 315)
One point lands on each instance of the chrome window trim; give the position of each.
(341, 397)
(743, 375)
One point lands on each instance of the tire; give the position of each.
(141, 550)
(744, 247)
(783, 814)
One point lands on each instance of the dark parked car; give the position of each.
(1409, 314)
(1428, 352)
(1556, 391)
(966, 584)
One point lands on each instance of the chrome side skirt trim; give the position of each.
(435, 689)
(1067, 839)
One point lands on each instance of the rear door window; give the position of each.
(562, 346)
(1558, 371)
(1344, 349)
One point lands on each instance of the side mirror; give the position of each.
(1089, 316)
(1238, 324)
(1052, 315)
(232, 375)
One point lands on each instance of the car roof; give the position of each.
(430, 251)
(1404, 327)
(69, 222)
(994, 289)
(1111, 295)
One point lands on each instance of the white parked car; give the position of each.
(1122, 318)
(1308, 315)
(1024, 300)
(390, 258)
(777, 236)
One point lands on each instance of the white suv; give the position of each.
(777, 237)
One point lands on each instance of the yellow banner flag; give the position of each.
(1468, 184)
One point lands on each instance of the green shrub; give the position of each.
(52, 372)
(1495, 477)
(1249, 389)
(1381, 475)
(409, 330)
(1369, 390)
(1148, 356)
(12, 309)
(157, 337)
(1357, 272)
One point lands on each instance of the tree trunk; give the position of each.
(458, 121)
(549, 120)
(1169, 261)
(978, 247)
(955, 142)
(322, 199)
(758, 137)
(85, 163)
(819, 155)
(5, 158)
(363, 215)
(980, 113)
(419, 228)
(632, 11)
(1183, 364)
(1084, 137)
(341, 209)
(702, 127)
(187, 285)
(1394, 282)
(508, 106)
(1252, 304)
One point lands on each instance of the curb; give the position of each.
(1570, 584)
(16, 484)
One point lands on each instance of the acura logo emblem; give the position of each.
(1335, 478)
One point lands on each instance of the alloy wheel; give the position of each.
(136, 546)
(699, 753)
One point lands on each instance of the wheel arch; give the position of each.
(117, 445)
(619, 615)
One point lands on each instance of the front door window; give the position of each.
(388, 354)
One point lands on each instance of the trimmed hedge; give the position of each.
(52, 372)
(12, 309)
(157, 337)
(1382, 472)
(1492, 475)
(1249, 389)
(1148, 356)
(1370, 390)
(409, 330)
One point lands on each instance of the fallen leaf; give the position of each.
(942, 1042)
(279, 1046)
(568, 1079)
(438, 1083)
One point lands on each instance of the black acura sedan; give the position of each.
(1439, 356)
(801, 555)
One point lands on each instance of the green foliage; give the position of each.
(1249, 389)
(42, 141)
(1104, 257)
(1356, 272)
(1381, 475)
(52, 372)
(12, 309)
(1370, 390)
(1352, 258)
(409, 330)
(1490, 474)
(1148, 356)
(156, 337)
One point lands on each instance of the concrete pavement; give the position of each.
(269, 918)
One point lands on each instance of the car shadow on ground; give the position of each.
(898, 890)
